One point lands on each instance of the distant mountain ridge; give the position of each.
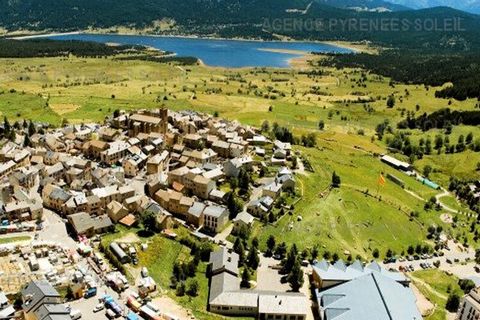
(365, 5)
(263, 19)
(472, 6)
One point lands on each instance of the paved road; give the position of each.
(222, 236)
(54, 231)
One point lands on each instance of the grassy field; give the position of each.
(436, 285)
(14, 239)
(347, 219)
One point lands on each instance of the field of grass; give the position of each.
(436, 285)
(14, 239)
(347, 218)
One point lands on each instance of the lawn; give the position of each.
(347, 218)
(160, 257)
(14, 239)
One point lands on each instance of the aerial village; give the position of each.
(67, 187)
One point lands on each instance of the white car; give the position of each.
(99, 307)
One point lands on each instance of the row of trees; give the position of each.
(433, 69)
(462, 189)
(28, 129)
(441, 119)
(284, 134)
(51, 48)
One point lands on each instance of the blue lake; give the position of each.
(221, 53)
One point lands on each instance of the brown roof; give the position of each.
(144, 118)
(162, 194)
(98, 144)
(174, 195)
(128, 220)
(186, 201)
(201, 180)
(177, 186)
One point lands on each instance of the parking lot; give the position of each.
(86, 306)
(453, 256)
(268, 278)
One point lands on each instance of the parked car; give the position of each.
(110, 314)
(98, 307)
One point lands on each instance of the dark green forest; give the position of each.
(421, 67)
(251, 18)
(441, 119)
(51, 48)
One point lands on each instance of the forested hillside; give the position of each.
(50, 48)
(248, 18)
(429, 68)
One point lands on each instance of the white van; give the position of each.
(153, 307)
(75, 314)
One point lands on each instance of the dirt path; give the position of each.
(425, 306)
(171, 307)
(445, 193)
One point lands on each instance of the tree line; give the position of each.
(441, 119)
(51, 48)
(420, 67)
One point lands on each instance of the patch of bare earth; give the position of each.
(171, 307)
(63, 108)
(423, 304)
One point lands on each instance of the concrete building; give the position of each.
(215, 218)
(227, 298)
(470, 306)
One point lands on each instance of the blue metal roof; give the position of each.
(341, 272)
(369, 297)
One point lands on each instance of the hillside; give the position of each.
(249, 18)
(365, 5)
(466, 5)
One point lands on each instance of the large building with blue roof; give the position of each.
(326, 275)
(358, 292)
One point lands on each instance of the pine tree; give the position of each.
(295, 277)
(26, 141)
(245, 283)
(253, 260)
(292, 256)
(239, 249)
(6, 126)
(192, 287)
(336, 181)
(270, 245)
(31, 129)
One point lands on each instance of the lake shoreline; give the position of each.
(297, 53)
(353, 46)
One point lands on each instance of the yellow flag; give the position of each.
(381, 180)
